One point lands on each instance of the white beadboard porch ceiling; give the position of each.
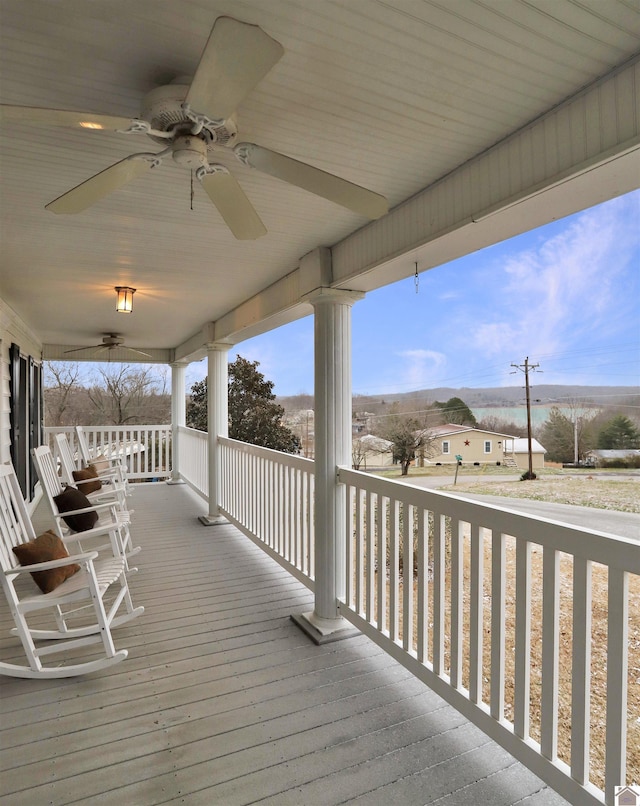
(390, 94)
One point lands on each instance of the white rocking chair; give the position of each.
(113, 517)
(112, 492)
(85, 591)
(116, 465)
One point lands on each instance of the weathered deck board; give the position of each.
(224, 701)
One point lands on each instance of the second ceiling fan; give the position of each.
(193, 116)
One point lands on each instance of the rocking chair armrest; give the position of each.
(79, 483)
(70, 560)
(108, 474)
(105, 492)
(115, 461)
(106, 505)
(96, 531)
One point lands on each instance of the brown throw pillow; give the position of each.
(45, 547)
(89, 478)
(73, 499)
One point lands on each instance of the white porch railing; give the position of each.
(268, 495)
(483, 617)
(484, 580)
(145, 448)
(193, 451)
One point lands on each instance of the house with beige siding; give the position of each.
(521, 453)
(478, 447)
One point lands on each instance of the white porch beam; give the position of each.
(332, 345)
(178, 416)
(217, 425)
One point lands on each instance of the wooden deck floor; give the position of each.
(222, 699)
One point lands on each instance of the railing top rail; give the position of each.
(601, 547)
(299, 462)
(196, 432)
(61, 429)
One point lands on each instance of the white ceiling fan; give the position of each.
(193, 118)
(110, 341)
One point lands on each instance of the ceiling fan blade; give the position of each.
(39, 116)
(233, 205)
(304, 176)
(92, 190)
(133, 350)
(237, 56)
(80, 349)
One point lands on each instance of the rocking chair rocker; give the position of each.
(85, 591)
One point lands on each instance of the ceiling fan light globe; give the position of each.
(189, 152)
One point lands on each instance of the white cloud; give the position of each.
(420, 366)
(566, 286)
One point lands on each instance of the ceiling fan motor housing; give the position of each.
(111, 340)
(162, 108)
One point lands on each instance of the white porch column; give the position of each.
(332, 340)
(218, 424)
(178, 416)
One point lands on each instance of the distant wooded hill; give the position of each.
(499, 396)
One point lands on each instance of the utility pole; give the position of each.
(527, 368)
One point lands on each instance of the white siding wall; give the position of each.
(13, 330)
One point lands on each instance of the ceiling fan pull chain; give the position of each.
(416, 279)
(192, 190)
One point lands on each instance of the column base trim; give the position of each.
(324, 631)
(175, 481)
(215, 520)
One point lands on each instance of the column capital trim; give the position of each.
(335, 296)
(218, 346)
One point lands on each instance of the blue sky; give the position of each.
(566, 295)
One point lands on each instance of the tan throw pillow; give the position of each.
(101, 464)
(71, 499)
(45, 547)
(88, 480)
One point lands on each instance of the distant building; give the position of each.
(369, 451)
(521, 453)
(478, 447)
(598, 458)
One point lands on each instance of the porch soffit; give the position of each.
(457, 114)
(522, 183)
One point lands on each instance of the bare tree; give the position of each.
(61, 381)
(409, 435)
(366, 446)
(126, 395)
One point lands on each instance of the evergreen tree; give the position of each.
(557, 435)
(457, 412)
(619, 433)
(254, 417)
(196, 415)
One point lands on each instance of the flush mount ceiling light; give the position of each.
(125, 299)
